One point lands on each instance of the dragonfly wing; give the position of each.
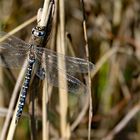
(73, 84)
(13, 52)
(73, 64)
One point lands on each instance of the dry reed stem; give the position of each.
(1, 96)
(123, 122)
(89, 75)
(45, 99)
(45, 123)
(54, 30)
(88, 83)
(43, 21)
(63, 97)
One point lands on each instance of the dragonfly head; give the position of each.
(38, 32)
(38, 35)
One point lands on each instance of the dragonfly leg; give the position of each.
(41, 73)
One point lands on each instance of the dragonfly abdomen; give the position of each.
(24, 89)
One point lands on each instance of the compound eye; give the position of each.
(41, 33)
(36, 33)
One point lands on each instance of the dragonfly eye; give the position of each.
(41, 33)
(38, 33)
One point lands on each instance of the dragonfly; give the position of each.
(13, 52)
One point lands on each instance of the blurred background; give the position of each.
(113, 31)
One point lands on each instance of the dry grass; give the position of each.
(107, 33)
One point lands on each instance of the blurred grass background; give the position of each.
(113, 30)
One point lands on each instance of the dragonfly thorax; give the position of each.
(32, 53)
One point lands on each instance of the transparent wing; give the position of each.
(73, 84)
(73, 64)
(13, 51)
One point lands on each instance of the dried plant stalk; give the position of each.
(89, 75)
(1, 96)
(63, 98)
(45, 122)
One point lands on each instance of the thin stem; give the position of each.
(64, 126)
(44, 13)
(89, 75)
(47, 12)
